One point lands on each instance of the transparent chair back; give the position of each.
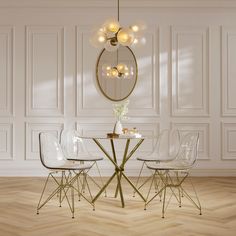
(51, 154)
(168, 145)
(188, 149)
(72, 144)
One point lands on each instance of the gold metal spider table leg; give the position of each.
(119, 169)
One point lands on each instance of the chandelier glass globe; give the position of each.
(112, 25)
(125, 36)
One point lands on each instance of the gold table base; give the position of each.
(119, 169)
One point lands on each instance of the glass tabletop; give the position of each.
(118, 137)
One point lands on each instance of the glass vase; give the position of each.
(118, 129)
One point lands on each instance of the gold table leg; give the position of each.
(103, 188)
(119, 187)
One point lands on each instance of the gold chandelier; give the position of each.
(110, 35)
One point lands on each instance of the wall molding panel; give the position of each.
(228, 40)
(32, 131)
(45, 70)
(228, 141)
(148, 59)
(190, 71)
(6, 70)
(6, 141)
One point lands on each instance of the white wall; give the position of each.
(187, 76)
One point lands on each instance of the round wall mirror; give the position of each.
(117, 73)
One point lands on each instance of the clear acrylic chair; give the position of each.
(74, 149)
(165, 149)
(53, 159)
(174, 172)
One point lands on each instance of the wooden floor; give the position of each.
(19, 197)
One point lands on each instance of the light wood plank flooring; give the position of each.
(19, 198)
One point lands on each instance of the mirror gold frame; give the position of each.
(99, 76)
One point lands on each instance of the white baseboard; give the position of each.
(28, 172)
(213, 172)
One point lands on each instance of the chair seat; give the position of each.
(86, 158)
(170, 165)
(154, 159)
(70, 165)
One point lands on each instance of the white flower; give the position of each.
(121, 109)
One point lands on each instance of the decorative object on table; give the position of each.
(125, 130)
(112, 135)
(133, 133)
(111, 35)
(120, 111)
(118, 129)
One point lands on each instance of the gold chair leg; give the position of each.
(163, 204)
(77, 188)
(84, 182)
(157, 194)
(77, 182)
(73, 204)
(65, 183)
(90, 194)
(179, 190)
(174, 183)
(60, 193)
(45, 185)
(145, 205)
(164, 197)
(180, 201)
(69, 183)
(102, 182)
(56, 191)
(197, 204)
(63, 186)
(140, 172)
